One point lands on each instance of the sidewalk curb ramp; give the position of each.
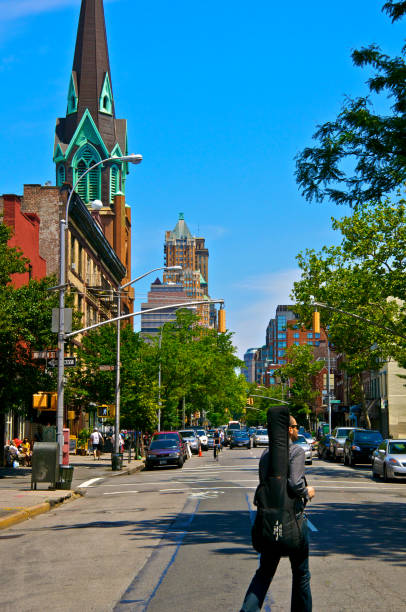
(31, 511)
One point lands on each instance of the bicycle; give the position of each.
(216, 451)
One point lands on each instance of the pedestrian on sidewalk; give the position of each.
(96, 440)
(301, 599)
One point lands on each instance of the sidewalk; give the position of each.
(18, 502)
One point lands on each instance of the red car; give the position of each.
(171, 435)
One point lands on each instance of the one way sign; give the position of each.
(69, 362)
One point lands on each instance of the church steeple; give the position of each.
(91, 65)
(90, 130)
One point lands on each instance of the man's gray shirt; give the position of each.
(296, 479)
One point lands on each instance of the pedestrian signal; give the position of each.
(250, 401)
(45, 400)
(316, 322)
(106, 411)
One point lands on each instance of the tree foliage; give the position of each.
(363, 275)
(300, 370)
(361, 156)
(25, 325)
(197, 364)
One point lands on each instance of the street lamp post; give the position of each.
(63, 226)
(115, 463)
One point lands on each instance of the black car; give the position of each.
(360, 445)
(240, 438)
(323, 447)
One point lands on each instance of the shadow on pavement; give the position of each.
(366, 530)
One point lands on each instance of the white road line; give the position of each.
(311, 526)
(120, 492)
(88, 483)
(362, 488)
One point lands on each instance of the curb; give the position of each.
(31, 511)
(128, 470)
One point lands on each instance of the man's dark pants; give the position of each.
(301, 594)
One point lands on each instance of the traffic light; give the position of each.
(316, 322)
(222, 321)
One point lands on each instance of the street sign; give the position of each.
(44, 354)
(335, 401)
(67, 320)
(106, 368)
(69, 362)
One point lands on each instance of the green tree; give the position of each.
(300, 370)
(363, 275)
(198, 364)
(360, 156)
(90, 386)
(25, 326)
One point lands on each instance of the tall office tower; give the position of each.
(183, 249)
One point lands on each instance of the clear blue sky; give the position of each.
(219, 96)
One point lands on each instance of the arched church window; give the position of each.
(89, 188)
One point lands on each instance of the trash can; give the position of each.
(65, 477)
(45, 463)
(116, 461)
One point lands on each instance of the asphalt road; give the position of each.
(179, 541)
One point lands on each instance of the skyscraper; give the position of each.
(183, 249)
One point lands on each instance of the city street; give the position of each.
(178, 540)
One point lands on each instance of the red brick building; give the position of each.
(25, 226)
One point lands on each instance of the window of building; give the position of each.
(317, 335)
(310, 342)
(296, 335)
(282, 335)
(281, 345)
(310, 335)
(89, 187)
(80, 260)
(296, 342)
(281, 353)
(317, 343)
(282, 361)
(60, 175)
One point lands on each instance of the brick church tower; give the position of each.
(90, 132)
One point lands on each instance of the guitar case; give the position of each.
(276, 527)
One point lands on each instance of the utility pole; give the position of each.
(183, 413)
(328, 387)
(159, 382)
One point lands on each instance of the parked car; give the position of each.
(337, 439)
(261, 438)
(302, 441)
(240, 439)
(163, 452)
(389, 460)
(210, 439)
(323, 448)
(171, 435)
(311, 440)
(227, 436)
(203, 438)
(360, 445)
(191, 437)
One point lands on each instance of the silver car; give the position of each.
(301, 440)
(337, 439)
(389, 460)
(260, 438)
(191, 437)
